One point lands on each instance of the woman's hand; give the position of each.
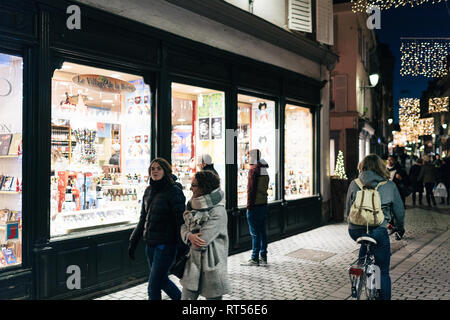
(196, 240)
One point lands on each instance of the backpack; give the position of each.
(366, 209)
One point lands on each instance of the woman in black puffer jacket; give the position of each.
(161, 217)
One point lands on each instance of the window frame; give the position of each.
(315, 178)
(277, 101)
(149, 78)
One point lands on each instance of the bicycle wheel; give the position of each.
(361, 284)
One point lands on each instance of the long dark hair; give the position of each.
(166, 167)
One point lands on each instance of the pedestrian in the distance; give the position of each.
(373, 171)
(159, 224)
(416, 184)
(446, 176)
(205, 230)
(206, 163)
(257, 210)
(428, 174)
(399, 176)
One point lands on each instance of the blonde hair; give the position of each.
(374, 163)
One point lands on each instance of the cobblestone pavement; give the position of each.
(313, 265)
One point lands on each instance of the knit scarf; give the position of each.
(198, 209)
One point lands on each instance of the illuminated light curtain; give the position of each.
(436, 105)
(411, 124)
(362, 5)
(427, 58)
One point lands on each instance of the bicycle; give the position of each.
(363, 272)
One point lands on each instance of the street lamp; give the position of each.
(390, 121)
(373, 78)
(444, 126)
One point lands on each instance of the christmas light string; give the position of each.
(412, 126)
(425, 56)
(436, 105)
(363, 5)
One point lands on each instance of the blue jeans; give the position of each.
(159, 259)
(382, 254)
(256, 218)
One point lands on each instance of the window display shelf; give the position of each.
(10, 192)
(68, 222)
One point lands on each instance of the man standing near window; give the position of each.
(206, 163)
(258, 182)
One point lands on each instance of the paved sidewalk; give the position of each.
(313, 265)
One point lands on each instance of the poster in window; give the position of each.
(204, 106)
(217, 104)
(216, 128)
(12, 231)
(203, 128)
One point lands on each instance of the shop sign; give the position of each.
(103, 83)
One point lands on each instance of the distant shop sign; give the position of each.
(103, 83)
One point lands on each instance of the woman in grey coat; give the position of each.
(205, 231)
(372, 172)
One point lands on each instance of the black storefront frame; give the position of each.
(45, 45)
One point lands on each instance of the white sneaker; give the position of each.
(263, 263)
(250, 262)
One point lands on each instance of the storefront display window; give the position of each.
(198, 127)
(100, 148)
(11, 92)
(256, 130)
(298, 154)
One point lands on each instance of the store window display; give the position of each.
(198, 128)
(298, 155)
(100, 144)
(256, 130)
(11, 106)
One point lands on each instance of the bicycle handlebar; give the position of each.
(393, 230)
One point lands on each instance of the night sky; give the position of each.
(427, 20)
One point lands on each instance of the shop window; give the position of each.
(11, 79)
(198, 128)
(100, 148)
(256, 130)
(298, 152)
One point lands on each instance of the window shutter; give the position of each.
(324, 20)
(340, 93)
(299, 15)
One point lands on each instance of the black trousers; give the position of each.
(430, 194)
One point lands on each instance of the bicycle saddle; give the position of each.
(366, 240)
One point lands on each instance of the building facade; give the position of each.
(353, 101)
(92, 91)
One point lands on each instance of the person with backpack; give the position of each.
(373, 201)
(159, 224)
